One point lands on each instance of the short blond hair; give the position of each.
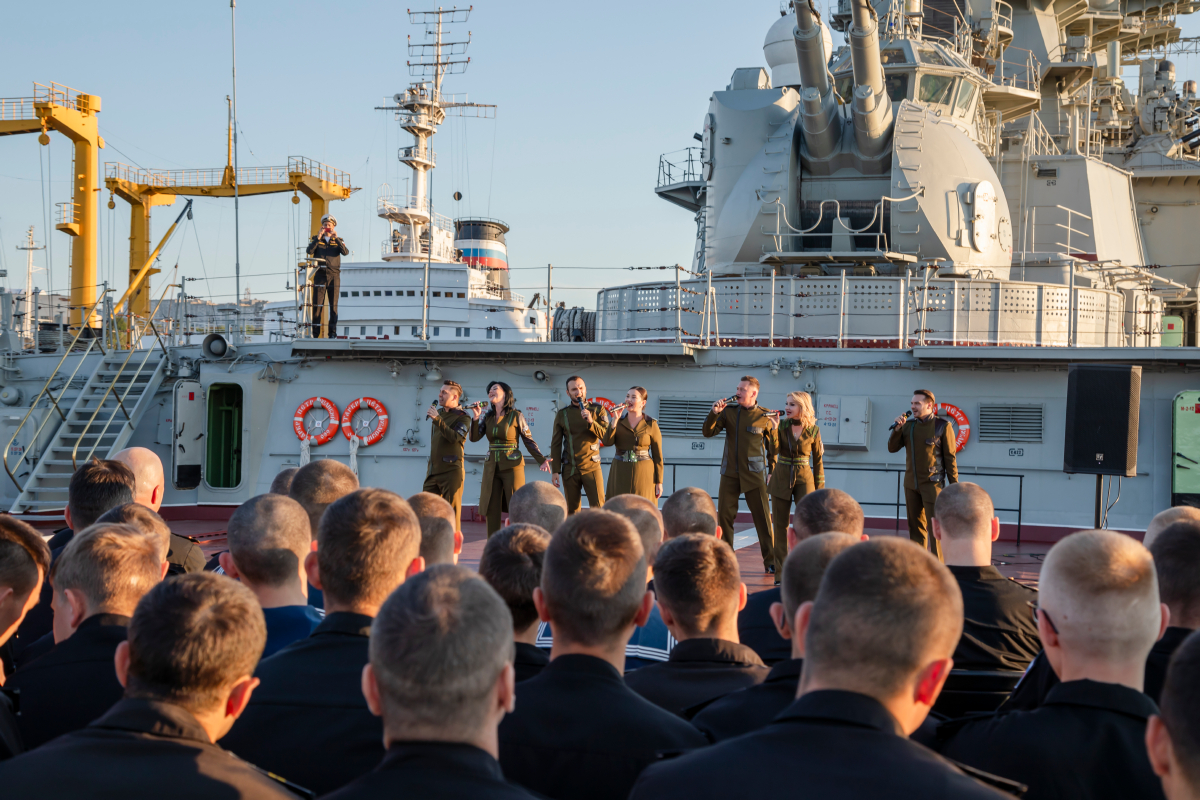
(1165, 519)
(111, 565)
(808, 415)
(1100, 590)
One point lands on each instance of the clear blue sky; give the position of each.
(589, 95)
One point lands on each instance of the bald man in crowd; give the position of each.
(1098, 616)
(268, 543)
(184, 554)
(878, 639)
(441, 542)
(538, 503)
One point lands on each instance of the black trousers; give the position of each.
(325, 280)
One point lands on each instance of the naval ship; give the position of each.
(965, 197)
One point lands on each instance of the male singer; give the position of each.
(581, 426)
(749, 457)
(445, 474)
(327, 280)
(928, 463)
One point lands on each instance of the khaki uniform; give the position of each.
(928, 464)
(800, 470)
(504, 466)
(749, 456)
(575, 454)
(637, 466)
(446, 471)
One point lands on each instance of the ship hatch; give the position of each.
(187, 435)
(223, 464)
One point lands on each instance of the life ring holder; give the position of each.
(330, 430)
(962, 424)
(380, 429)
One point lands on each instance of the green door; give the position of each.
(223, 465)
(1185, 455)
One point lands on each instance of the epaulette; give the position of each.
(295, 789)
(460, 411)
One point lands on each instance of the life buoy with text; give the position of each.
(381, 417)
(330, 424)
(962, 425)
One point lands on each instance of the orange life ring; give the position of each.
(375, 406)
(330, 430)
(961, 422)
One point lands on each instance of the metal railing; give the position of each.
(66, 213)
(219, 176)
(687, 170)
(410, 204)
(422, 154)
(1039, 244)
(16, 108)
(299, 165)
(785, 231)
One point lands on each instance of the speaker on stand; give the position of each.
(1101, 436)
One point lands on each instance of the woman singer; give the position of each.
(504, 466)
(637, 467)
(799, 469)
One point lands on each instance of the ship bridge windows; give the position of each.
(893, 55)
(966, 99)
(937, 89)
(895, 83)
(930, 56)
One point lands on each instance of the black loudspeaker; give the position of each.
(1102, 419)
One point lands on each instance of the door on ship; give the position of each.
(223, 464)
(187, 435)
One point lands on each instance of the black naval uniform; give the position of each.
(139, 749)
(529, 661)
(446, 471)
(10, 737)
(928, 463)
(757, 631)
(308, 721)
(575, 452)
(445, 770)
(754, 707)
(836, 744)
(998, 629)
(1086, 741)
(698, 672)
(73, 684)
(749, 457)
(579, 733)
(327, 280)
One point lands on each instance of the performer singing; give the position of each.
(580, 426)
(748, 459)
(451, 425)
(637, 467)
(799, 470)
(928, 464)
(327, 280)
(504, 467)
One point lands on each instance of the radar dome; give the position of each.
(779, 48)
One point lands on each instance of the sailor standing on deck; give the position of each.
(445, 474)
(329, 247)
(928, 464)
(749, 457)
(575, 448)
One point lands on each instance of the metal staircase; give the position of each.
(109, 406)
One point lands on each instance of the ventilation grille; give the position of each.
(678, 417)
(1018, 423)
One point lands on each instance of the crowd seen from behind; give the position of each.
(337, 649)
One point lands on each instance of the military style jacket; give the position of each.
(750, 443)
(446, 437)
(804, 450)
(502, 435)
(577, 442)
(930, 456)
(331, 251)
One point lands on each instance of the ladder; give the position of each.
(100, 422)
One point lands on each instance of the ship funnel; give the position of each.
(872, 107)
(819, 118)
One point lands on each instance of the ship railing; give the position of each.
(17, 108)
(1038, 141)
(60, 95)
(481, 286)
(92, 342)
(414, 153)
(399, 203)
(66, 213)
(1052, 235)
(404, 244)
(685, 168)
(299, 165)
(1022, 72)
(795, 238)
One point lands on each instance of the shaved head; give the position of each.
(689, 510)
(269, 539)
(147, 471)
(538, 503)
(964, 511)
(1100, 590)
(827, 510)
(645, 516)
(805, 566)
(1163, 519)
(142, 518)
(437, 527)
(283, 481)
(318, 484)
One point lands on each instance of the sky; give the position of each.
(588, 96)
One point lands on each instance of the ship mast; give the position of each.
(29, 326)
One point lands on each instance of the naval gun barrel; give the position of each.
(819, 118)
(872, 108)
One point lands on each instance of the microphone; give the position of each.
(907, 414)
(479, 404)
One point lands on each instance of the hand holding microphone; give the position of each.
(900, 420)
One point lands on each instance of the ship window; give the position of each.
(345, 294)
(896, 86)
(533, 320)
(411, 293)
(345, 331)
(462, 294)
(458, 331)
(437, 294)
(893, 55)
(966, 94)
(362, 331)
(397, 333)
(379, 331)
(931, 56)
(1010, 423)
(378, 293)
(497, 333)
(354, 294)
(415, 330)
(437, 331)
(936, 89)
(387, 294)
(466, 331)
(845, 88)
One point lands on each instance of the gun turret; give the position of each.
(872, 108)
(819, 118)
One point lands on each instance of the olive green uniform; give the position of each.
(575, 454)
(637, 466)
(749, 456)
(928, 464)
(445, 474)
(800, 470)
(504, 466)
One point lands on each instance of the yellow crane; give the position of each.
(143, 189)
(72, 113)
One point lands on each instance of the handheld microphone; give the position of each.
(907, 414)
(479, 404)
